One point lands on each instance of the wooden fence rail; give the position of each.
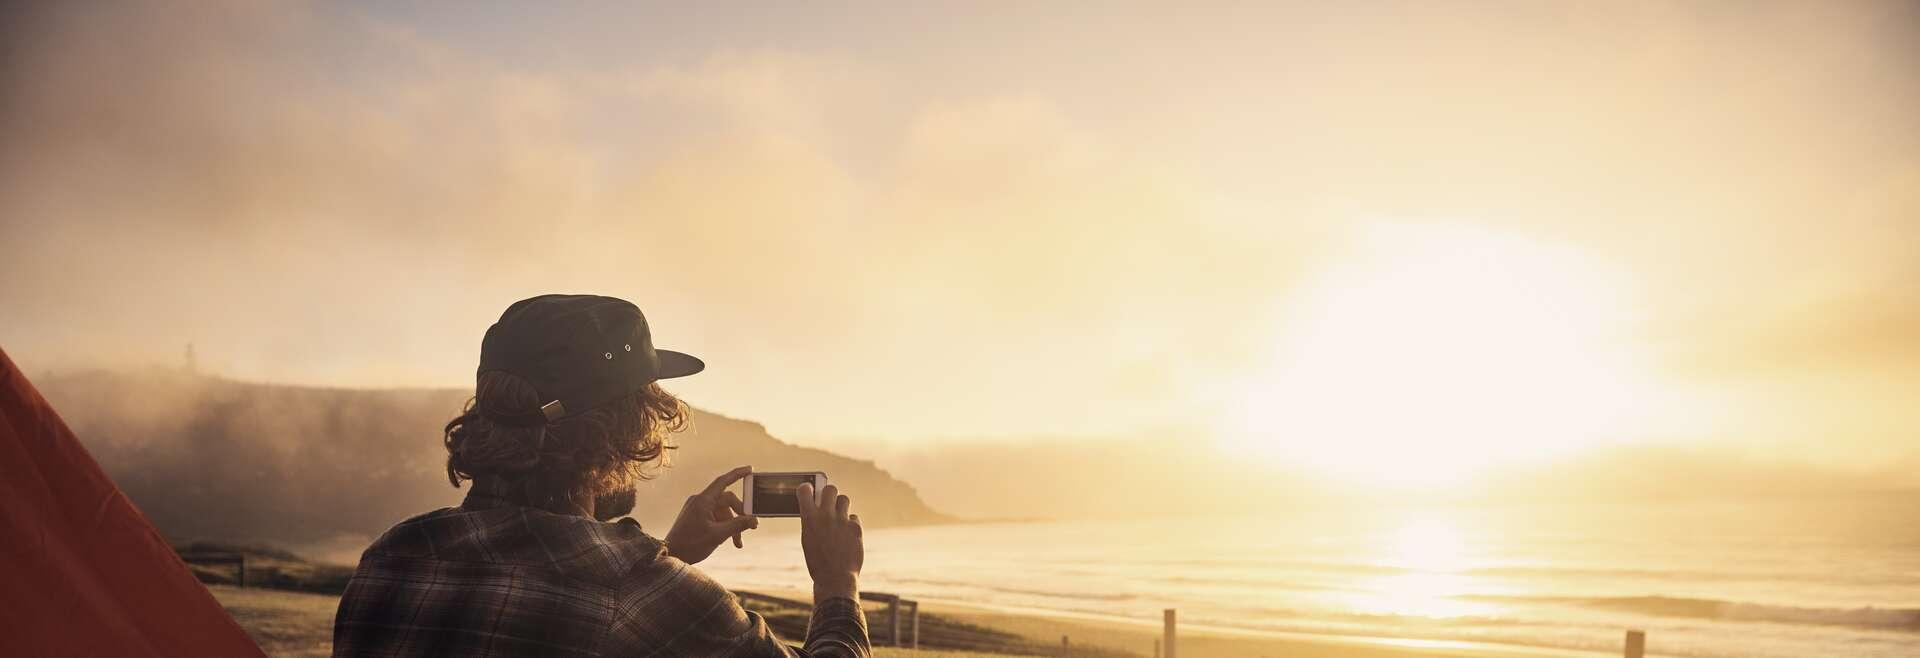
(894, 603)
(902, 631)
(238, 561)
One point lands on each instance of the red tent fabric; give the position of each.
(82, 572)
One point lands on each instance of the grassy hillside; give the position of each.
(211, 458)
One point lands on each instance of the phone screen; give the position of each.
(775, 494)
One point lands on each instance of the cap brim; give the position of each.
(678, 364)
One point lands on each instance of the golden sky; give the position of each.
(1528, 227)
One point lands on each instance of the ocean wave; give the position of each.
(1686, 575)
(955, 584)
(1246, 582)
(1529, 571)
(1907, 619)
(1312, 566)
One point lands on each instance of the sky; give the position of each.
(1525, 228)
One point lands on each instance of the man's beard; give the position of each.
(610, 506)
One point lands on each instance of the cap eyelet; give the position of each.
(609, 356)
(629, 347)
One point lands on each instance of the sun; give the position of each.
(1431, 353)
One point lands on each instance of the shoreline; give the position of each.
(1189, 630)
(1046, 625)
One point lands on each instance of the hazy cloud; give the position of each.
(933, 232)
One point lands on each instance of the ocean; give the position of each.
(1766, 577)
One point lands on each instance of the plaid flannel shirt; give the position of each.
(490, 578)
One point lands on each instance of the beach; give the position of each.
(1140, 638)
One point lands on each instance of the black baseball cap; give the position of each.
(579, 352)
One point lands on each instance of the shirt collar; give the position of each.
(492, 493)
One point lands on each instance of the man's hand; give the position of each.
(708, 518)
(831, 539)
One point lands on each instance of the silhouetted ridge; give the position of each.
(211, 458)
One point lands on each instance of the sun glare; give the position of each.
(1428, 556)
(1433, 352)
(1428, 545)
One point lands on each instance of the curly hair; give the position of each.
(599, 451)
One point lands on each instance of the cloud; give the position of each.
(921, 233)
(317, 196)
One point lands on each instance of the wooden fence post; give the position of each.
(1171, 652)
(916, 625)
(893, 610)
(1636, 644)
(893, 614)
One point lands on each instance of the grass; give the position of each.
(283, 623)
(300, 624)
(288, 605)
(288, 623)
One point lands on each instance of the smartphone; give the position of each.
(774, 494)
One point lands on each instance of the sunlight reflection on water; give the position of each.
(1568, 576)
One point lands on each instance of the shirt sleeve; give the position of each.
(838, 628)
(671, 609)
